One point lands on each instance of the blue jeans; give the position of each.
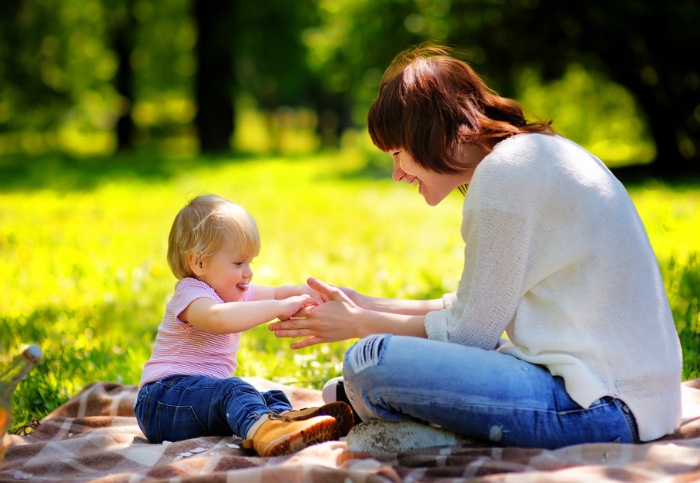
(183, 407)
(481, 394)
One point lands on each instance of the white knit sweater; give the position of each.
(558, 258)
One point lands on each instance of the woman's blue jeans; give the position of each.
(183, 407)
(481, 394)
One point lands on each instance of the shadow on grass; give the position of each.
(377, 166)
(630, 177)
(64, 173)
(638, 175)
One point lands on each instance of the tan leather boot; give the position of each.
(339, 410)
(277, 436)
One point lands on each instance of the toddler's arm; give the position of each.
(207, 315)
(286, 291)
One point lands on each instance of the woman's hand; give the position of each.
(333, 321)
(321, 297)
(355, 296)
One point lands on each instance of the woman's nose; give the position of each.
(397, 173)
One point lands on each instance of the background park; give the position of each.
(113, 113)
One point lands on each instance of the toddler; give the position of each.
(187, 388)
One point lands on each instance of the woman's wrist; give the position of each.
(365, 323)
(364, 301)
(368, 322)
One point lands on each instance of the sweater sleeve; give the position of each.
(491, 283)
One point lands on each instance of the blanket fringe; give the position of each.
(28, 428)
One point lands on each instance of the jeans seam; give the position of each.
(145, 401)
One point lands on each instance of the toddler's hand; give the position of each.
(292, 305)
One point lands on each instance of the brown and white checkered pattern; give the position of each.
(94, 437)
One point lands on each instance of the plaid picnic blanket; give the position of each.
(94, 437)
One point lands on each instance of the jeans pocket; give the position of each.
(629, 419)
(176, 423)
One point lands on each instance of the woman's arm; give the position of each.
(340, 318)
(216, 318)
(395, 306)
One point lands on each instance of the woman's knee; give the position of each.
(365, 354)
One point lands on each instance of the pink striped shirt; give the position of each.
(181, 349)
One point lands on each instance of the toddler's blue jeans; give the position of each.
(481, 394)
(183, 407)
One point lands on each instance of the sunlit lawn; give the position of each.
(85, 273)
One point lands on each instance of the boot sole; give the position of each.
(341, 411)
(377, 436)
(325, 429)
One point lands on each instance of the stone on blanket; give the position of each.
(377, 436)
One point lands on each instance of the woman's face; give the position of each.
(432, 185)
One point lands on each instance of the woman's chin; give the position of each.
(432, 199)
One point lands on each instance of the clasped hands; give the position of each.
(327, 322)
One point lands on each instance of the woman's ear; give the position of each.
(195, 262)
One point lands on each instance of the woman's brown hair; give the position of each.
(429, 102)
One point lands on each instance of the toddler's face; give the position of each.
(227, 272)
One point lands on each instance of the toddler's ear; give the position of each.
(195, 262)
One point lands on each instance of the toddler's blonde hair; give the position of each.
(199, 228)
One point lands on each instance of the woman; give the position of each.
(556, 257)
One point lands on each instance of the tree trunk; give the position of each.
(214, 76)
(123, 45)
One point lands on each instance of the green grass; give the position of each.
(82, 245)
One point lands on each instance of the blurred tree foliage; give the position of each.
(650, 48)
(104, 75)
(56, 71)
